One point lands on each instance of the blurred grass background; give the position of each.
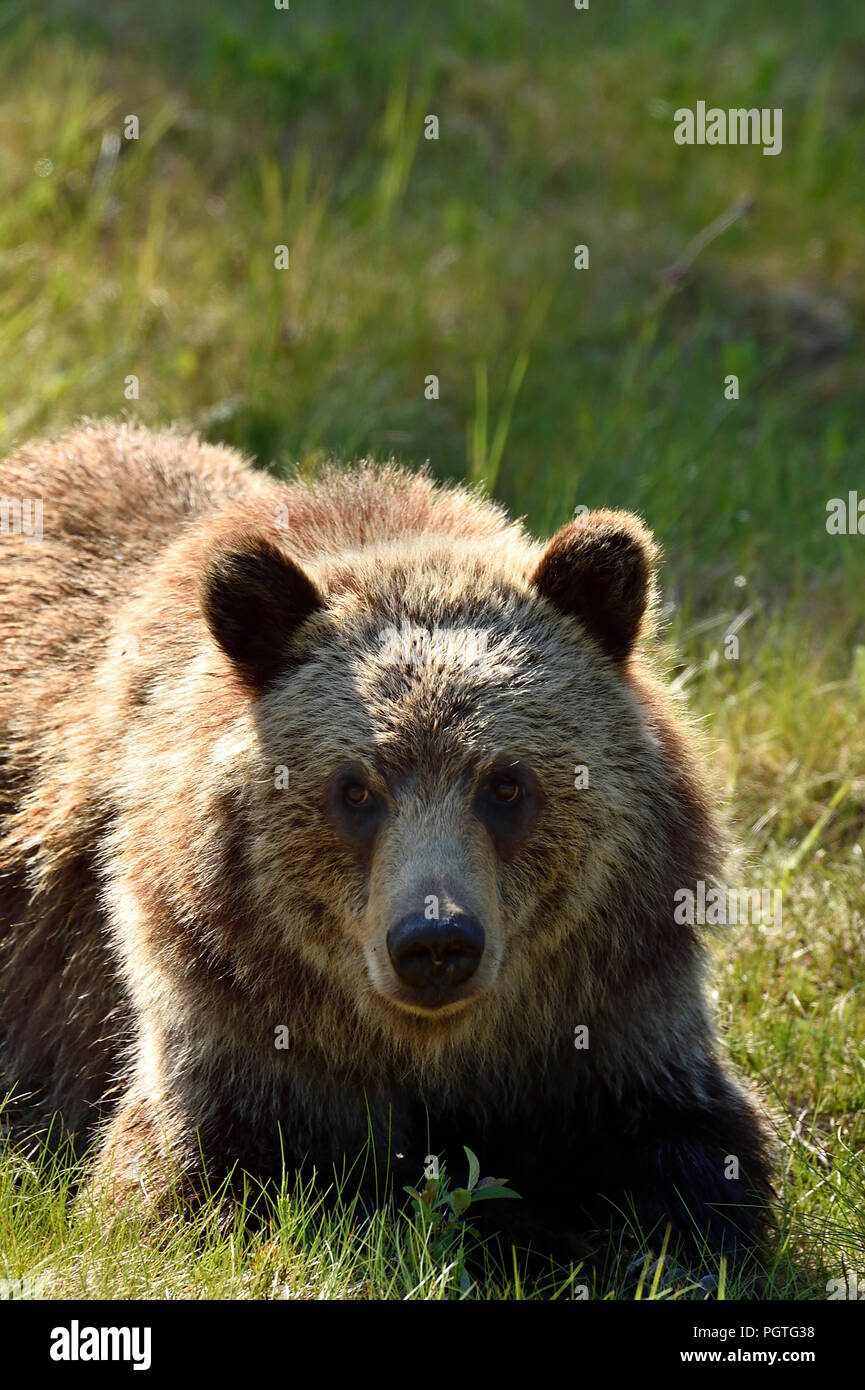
(558, 387)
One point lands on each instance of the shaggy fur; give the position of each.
(185, 629)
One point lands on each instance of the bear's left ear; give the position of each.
(254, 597)
(601, 570)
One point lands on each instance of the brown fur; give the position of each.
(186, 627)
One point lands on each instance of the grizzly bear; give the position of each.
(343, 809)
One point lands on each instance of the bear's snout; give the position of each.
(434, 956)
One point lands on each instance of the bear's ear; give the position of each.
(601, 570)
(254, 597)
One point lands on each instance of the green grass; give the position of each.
(558, 387)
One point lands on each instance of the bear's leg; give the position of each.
(703, 1170)
(139, 1165)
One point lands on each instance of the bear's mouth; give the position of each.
(429, 1003)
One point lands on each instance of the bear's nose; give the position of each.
(435, 956)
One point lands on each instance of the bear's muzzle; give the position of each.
(434, 957)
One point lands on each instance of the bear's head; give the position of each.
(462, 791)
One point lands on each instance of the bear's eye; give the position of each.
(509, 801)
(505, 789)
(355, 805)
(356, 794)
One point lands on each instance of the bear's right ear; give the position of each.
(253, 598)
(601, 570)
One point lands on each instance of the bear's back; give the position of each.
(373, 504)
(117, 492)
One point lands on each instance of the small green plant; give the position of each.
(440, 1209)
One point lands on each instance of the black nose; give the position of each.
(437, 955)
